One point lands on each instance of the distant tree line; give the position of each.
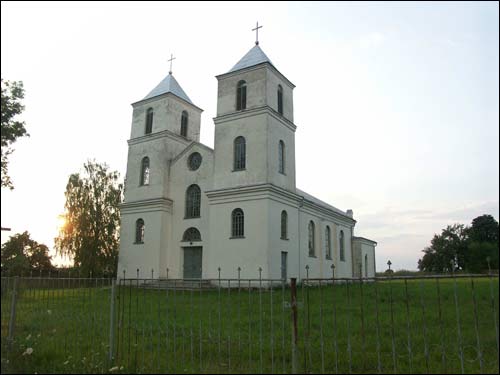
(463, 248)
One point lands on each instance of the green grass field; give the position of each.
(391, 326)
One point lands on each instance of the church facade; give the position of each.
(190, 209)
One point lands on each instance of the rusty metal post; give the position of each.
(293, 288)
(112, 323)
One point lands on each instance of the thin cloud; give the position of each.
(372, 40)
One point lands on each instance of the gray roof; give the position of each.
(253, 57)
(319, 202)
(169, 84)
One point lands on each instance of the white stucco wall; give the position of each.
(363, 248)
(181, 178)
(145, 256)
(249, 252)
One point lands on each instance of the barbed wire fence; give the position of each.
(67, 323)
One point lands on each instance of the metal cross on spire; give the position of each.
(171, 58)
(257, 33)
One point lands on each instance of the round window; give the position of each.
(194, 161)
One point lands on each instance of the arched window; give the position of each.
(281, 156)
(280, 99)
(366, 265)
(241, 95)
(193, 201)
(191, 235)
(328, 243)
(237, 223)
(239, 153)
(284, 225)
(139, 231)
(149, 120)
(184, 124)
(342, 251)
(312, 252)
(145, 171)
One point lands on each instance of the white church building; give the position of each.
(191, 209)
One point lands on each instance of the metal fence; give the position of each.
(427, 324)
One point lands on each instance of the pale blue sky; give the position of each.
(396, 104)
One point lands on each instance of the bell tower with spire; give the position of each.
(254, 106)
(164, 123)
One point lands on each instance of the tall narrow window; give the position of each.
(184, 124)
(145, 171)
(193, 201)
(281, 151)
(241, 95)
(342, 250)
(284, 225)
(312, 252)
(237, 223)
(239, 153)
(149, 121)
(139, 231)
(280, 99)
(366, 265)
(328, 243)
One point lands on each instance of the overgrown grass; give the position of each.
(389, 326)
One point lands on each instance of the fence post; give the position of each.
(112, 323)
(293, 288)
(12, 319)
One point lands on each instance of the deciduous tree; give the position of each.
(12, 94)
(21, 255)
(90, 235)
(448, 247)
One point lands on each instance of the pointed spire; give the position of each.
(169, 84)
(253, 57)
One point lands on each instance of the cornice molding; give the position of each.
(365, 240)
(256, 67)
(165, 95)
(147, 205)
(159, 135)
(270, 191)
(265, 109)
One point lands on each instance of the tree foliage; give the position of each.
(446, 250)
(21, 255)
(468, 247)
(90, 235)
(482, 244)
(12, 94)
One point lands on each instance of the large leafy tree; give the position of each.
(468, 247)
(482, 244)
(90, 235)
(21, 255)
(12, 129)
(447, 250)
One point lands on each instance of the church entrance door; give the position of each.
(192, 262)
